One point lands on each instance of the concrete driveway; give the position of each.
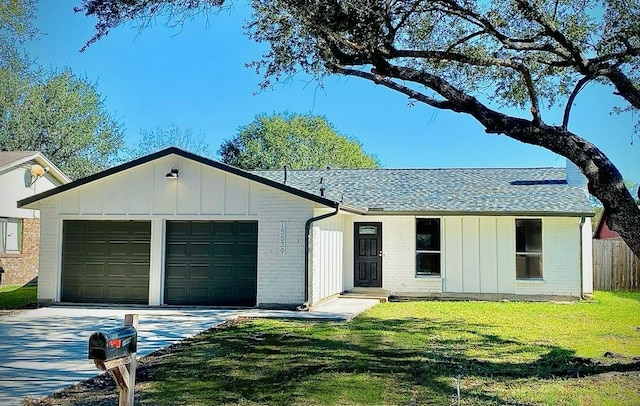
(44, 350)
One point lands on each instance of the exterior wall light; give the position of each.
(173, 174)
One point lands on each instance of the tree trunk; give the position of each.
(605, 181)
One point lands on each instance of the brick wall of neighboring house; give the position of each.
(22, 268)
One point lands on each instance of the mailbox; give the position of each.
(115, 343)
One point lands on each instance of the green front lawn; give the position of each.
(411, 353)
(17, 297)
(406, 353)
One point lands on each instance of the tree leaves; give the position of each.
(62, 116)
(173, 136)
(295, 140)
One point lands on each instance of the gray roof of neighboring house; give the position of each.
(8, 157)
(473, 190)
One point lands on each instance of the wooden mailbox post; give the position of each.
(122, 368)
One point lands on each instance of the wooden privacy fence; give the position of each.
(615, 267)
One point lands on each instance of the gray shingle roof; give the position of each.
(473, 190)
(9, 157)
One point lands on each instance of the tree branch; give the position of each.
(465, 59)
(381, 80)
(625, 86)
(567, 109)
(465, 39)
(554, 33)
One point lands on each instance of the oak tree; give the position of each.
(299, 141)
(467, 56)
(55, 112)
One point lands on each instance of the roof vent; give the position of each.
(322, 188)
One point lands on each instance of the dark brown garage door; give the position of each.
(211, 263)
(105, 261)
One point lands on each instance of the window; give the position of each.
(10, 235)
(528, 249)
(427, 247)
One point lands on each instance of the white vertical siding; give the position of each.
(587, 257)
(488, 259)
(165, 191)
(453, 262)
(348, 254)
(471, 254)
(139, 189)
(113, 195)
(327, 254)
(189, 186)
(50, 249)
(145, 191)
(506, 254)
(213, 182)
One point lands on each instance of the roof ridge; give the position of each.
(408, 169)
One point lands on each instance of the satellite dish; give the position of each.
(37, 172)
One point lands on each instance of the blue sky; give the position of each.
(195, 77)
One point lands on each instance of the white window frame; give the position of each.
(417, 251)
(6, 238)
(531, 253)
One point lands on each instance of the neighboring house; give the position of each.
(179, 229)
(615, 266)
(22, 174)
(602, 231)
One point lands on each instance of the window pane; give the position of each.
(529, 266)
(367, 230)
(427, 263)
(529, 236)
(428, 234)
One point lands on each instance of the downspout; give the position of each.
(307, 265)
(582, 220)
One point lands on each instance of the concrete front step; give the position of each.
(379, 294)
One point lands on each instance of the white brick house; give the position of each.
(178, 229)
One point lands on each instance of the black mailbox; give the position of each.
(114, 343)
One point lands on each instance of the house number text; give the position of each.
(282, 248)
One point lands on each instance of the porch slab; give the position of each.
(382, 295)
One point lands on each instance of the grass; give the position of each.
(411, 353)
(17, 297)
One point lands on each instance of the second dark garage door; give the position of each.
(211, 263)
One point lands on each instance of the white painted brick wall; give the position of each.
(560, 259)
(50, 247)
(281, 277)
(398, 257)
